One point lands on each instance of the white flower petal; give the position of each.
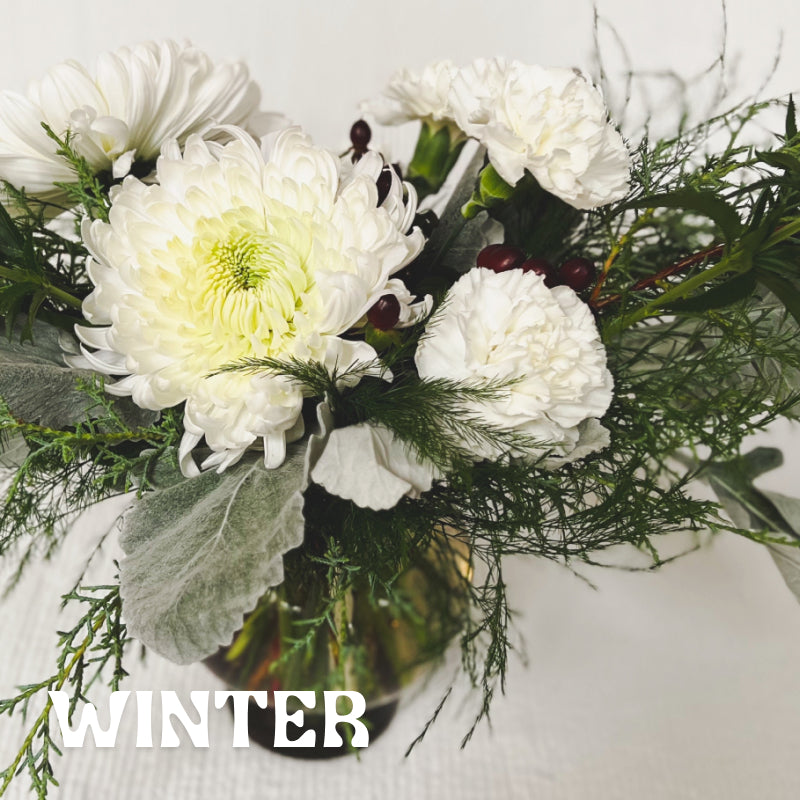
(510, 327)
(368, 465)
(549, 121)
(415, 95)
(137, 99)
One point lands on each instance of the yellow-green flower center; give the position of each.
(244, 261)
(247, 279)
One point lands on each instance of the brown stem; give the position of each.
(684, 263)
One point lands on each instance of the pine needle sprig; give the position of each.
(87, 189)
(439, 419)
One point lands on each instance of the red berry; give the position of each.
(577, 273)
(360, 134)
(385, 313)
(540, 266)
(500, 257)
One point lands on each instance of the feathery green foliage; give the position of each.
(94, 645)
(66, 471)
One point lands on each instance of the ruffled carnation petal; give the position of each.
(510, 327)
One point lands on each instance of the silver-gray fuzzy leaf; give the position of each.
(787, 558)
(39, 387)
(200, 553)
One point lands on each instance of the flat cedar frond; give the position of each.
(93, 645)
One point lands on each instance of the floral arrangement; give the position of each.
(311, 370)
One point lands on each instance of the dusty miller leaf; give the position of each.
(787, 559)
(13, 451)
(38, 386)
(200, 553)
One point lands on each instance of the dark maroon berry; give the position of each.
(500, 257)
(426, 221)
(541, 266)
(577, 273)
(384, 183)
(360, 134)
(385, 313)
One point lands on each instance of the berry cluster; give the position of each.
(577, 273)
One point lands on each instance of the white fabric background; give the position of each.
(680, 684)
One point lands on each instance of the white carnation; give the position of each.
(476, 90)
(549, 121)
(411, 95)
(509, 326)
(136, 99)
(239, 251)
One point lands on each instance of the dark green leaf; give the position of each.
(730, 292)
(708, 204)
(764, 201)
(11, 238)
(783, 289)
(782, 161)
(791, 119)
(747, 506)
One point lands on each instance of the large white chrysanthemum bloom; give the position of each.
(411, 95)
(137, 99)
(239, 251)
(508, 327)
(550, 121)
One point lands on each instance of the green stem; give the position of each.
(61, 295)
(86, 438)
(729, 263)
(784, 232)
(11, 771)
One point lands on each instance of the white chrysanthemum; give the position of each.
(239, 252)
(411, 95)
(137, 99)
(552, 122)
(509, 326)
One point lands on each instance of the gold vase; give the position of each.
(299, 638)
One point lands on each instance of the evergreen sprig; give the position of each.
(66, 471)
(85, 651)
(87, 189)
